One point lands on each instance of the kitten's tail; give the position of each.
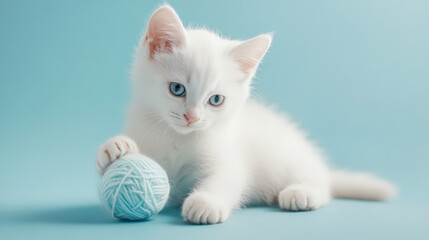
(360, 186)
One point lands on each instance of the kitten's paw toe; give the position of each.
(114, 149)
(298, 198)
(200, 208)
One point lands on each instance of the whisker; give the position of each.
(175, 116)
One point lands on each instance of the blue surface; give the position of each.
(354, 73)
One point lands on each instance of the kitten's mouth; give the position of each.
(185, 128)
(182, 126)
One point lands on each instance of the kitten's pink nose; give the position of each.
(191, 118)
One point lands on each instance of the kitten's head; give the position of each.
(192, 78)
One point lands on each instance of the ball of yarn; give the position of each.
(134, 187)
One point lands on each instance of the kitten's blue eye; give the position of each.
(216, 100)
(177, 89)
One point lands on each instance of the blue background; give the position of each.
(355, 74)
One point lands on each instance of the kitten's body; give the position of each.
(240, 152)
(271, 153)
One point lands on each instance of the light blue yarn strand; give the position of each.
(118, 190)
(134, 188)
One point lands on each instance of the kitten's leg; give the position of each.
(215, 198)
(113, 149)
(303, 197)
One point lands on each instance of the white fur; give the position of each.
(237, 154)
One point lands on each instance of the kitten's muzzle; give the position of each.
(190, 118)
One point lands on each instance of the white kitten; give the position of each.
(191, 113)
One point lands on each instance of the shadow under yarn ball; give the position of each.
(134, 187)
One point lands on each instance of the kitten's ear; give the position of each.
(249, 54)
(164, 31)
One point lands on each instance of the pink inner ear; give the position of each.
(248, 64)
(250, 53)
(164, 31)
(160, 44)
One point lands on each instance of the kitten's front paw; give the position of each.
(201, 208)
(113, 149)
(298, 198)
